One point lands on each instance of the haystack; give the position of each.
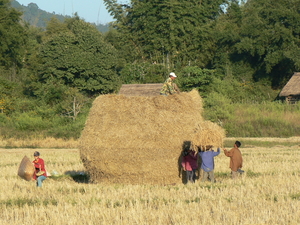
(26, 169)
(140, 139)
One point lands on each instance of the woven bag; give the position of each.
(26, 169)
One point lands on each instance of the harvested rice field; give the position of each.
(267, 193)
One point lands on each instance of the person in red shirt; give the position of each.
(40, 172)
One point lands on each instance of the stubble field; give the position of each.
(268, 192)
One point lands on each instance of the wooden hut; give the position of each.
(140, 89)
(291, 91)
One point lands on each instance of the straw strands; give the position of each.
(139, 139)
(208, 133)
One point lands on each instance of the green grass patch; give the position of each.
(250, 173)
(295, 196)
(258, 143)
(188, 201)
(222, 175)
(265, 119)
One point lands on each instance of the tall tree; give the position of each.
(270, 34)
(12, 38)
(171, 31)
(80, 58)
(227, 60)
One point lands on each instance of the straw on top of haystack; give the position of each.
(139, 139)
(208, 133)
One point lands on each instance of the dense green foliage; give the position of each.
(237, 55)
(267, 119)
(260, 41)
(175, 33)
(81, 59)
(11, 37)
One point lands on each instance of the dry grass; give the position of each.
(267, 194)
(38, 143)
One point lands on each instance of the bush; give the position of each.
(68, 130)
(270, 119)
(3, 119)
(193, 77)
(217, 108)
(241, 91)
(31, 122)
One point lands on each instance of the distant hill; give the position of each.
(33, 15)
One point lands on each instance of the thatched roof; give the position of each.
(292, 87)
(140, 139)
(140, 89)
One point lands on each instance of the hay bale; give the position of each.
(139, 139)
(208, 134)
(26, 169)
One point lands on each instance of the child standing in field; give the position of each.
(208, 164)
(189, 164)
(236, 159)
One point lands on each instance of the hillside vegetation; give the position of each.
(37, 17)
(237, 54)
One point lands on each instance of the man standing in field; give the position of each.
(169, 88)
(236, 160)
(208, 164)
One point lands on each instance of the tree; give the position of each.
(55, 26)
(270, 38)
(12, 38)
(80, 58)
(192, 77)
(74, 101)
(227, 33)
(172, 32)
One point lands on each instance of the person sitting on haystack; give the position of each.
(170, 88)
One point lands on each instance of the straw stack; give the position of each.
(140, 139)
(208, 134)
(26, 169)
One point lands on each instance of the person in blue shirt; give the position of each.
(208, 164)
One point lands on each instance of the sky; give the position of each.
(92, 11)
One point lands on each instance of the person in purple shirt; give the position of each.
(208, 164)
(189, 165)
